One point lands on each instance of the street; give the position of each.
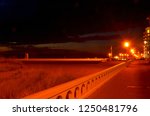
(131, 83)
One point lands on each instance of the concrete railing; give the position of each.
(79, 88)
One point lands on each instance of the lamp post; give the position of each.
(110, 53)
(126, 45)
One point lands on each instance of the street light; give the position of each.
(126, 44)
(132, 51)
(109, 54)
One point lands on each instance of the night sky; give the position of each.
(75, 22)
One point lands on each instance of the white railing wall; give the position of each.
(81, 87)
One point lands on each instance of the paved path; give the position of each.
(131, 83)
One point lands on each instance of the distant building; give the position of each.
(146, 38)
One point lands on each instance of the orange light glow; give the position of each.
(109, 54)
(120, 54)
(116, 57)
(145, 42)
(132, 51)
(126, 44)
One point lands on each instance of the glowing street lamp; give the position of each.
(126, 44)
(110, 55)
(132, 51)
(120, 54)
